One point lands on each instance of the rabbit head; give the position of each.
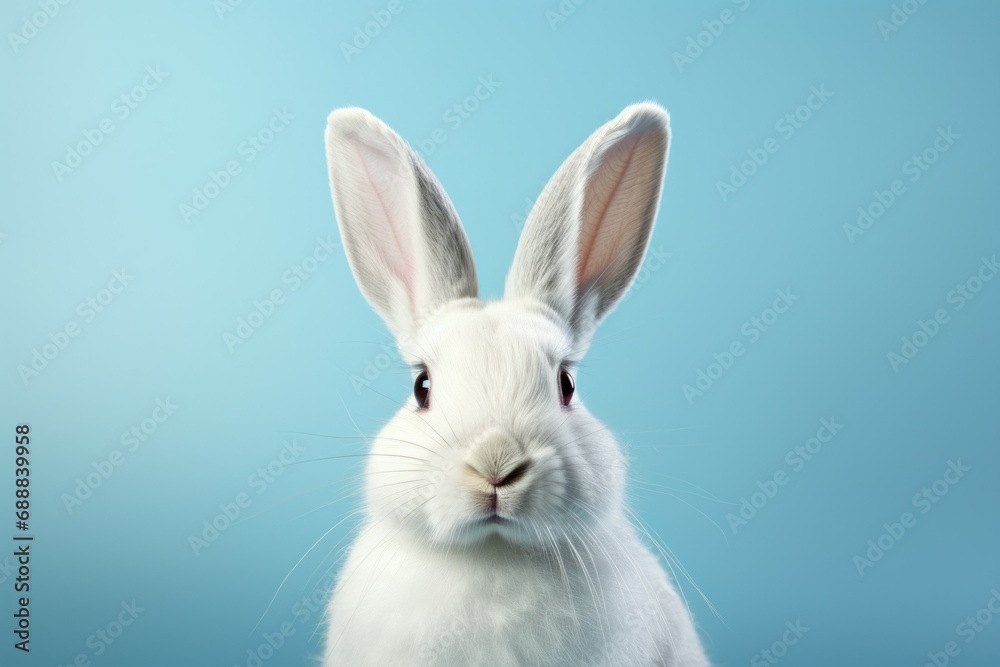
(494, 444)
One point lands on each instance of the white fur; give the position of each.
(564, 579)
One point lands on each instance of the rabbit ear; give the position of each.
(404, 241)
(587, 234)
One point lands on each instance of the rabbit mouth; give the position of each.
(494, 518)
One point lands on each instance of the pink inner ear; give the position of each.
(612, 202)
(387, 215)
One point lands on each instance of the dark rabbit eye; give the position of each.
(566, 387)
(422, 389)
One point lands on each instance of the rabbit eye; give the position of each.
(566, 387)
(422, 389)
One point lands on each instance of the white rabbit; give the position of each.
(496, 531)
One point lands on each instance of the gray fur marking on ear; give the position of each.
(452, 266)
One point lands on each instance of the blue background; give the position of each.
(560, 76)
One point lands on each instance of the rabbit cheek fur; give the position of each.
(496, 531)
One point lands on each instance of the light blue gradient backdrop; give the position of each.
(693, 462)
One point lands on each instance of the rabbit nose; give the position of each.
(497, 478)
(510, 476)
